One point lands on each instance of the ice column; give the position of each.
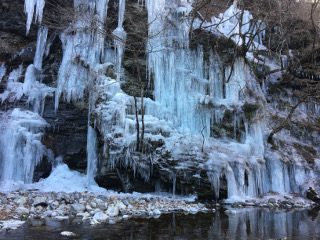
(92, 153)
(120, 38)
(41, 44)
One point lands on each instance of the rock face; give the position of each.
(67, 134)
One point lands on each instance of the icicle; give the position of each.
(92, 153)
(82, 51)
(232, 184)
(30, 78)
(41, 44)
(3, 71)
(120, 38)
(29, 6)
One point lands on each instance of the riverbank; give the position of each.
(96, 208)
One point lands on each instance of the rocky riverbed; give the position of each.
(16, 207)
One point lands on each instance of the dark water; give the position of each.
(246, 224)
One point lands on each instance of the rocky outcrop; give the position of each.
(67, 134)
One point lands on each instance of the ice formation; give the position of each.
(41, 44)
(119, 38)
(81, 51)
(21, 149)
(190, 94)
(20, 145)
(2, 71)
(29, 7)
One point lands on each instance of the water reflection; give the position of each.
(246, 224)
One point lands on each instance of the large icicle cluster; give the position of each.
(20, 145)
(29, 7)
(21, 149)
(190, 98)
(82, 50)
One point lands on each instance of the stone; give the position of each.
(112, 210)
(47, 213)
(77, 208)
(99, 203)
(68, 234)
(54, 214)
(88, 208)
(93, 204)
(123, 212)
(85, 216)
(54, 204)
(100, 217)
(20, 200)
(22, 212)
(40, 201)
(120, 205)
(272, 200)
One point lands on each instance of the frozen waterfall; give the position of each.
(20, 145)
(189, 101)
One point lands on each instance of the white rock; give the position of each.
(88, 208)
(20, 200)
(68, 234)
(112, 211)
(94, 221)
(22, 211)
(100, 217)
(54, 204)
(156, 212)
(40, 201)
(11, 224)
(193, 210)
(120, 205)
(85, 216)
(54, 214)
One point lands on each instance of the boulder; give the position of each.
(77, 208)
(40, 201)
(100, 217)
(22, 212)
(112, 210)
